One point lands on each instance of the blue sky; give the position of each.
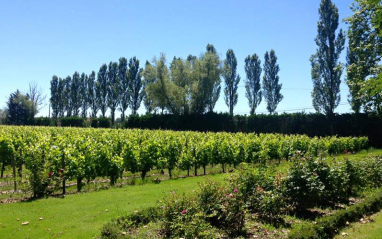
(40, 39)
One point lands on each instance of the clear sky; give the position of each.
(39, 39)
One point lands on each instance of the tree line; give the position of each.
(116, 86)
(187, 86)
(193, 85)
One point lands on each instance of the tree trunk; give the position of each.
(79, 184)
(143, 175)
(14, 173)
(3, 168)
(204, 169)
(196, 170)
(20, 169)
(169, 172)
(63, 175)
(188, 172)
(223, 167)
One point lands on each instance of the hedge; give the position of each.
(297, 123)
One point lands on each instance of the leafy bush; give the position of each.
(261, 190)
(73, 121)
(373, 172)
(314, 183)
(42, 121)
(102, 122)
(182, 219)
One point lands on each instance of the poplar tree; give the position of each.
(66, 96)
(112, 89)
(326, 70)
(135, 86)
(271, 86)
(212, 71)
(252, 85)
(61, 107)
(92, 94)
(54, 97)
(101, 89)
(84, 95)
(124, 96)
(231, 79)
(75, 94)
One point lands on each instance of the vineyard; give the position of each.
(53, 155)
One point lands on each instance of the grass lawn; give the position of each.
(372, 229)
(83, 215)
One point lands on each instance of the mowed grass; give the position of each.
(369, 230)
(83, 215)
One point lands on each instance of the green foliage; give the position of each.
(271, 86)
(326, 71)
(92, 94)
(73, 121)
(44, 121)
(314, 183)
(102, 89)
(84, 101)
(20, 109)
(363, 56)
(55, 97)
(262, 191)
(231, 79)
(123, 88)
(135, 87)
(113, 89)
(90, 153)
(62, 97)
(252, 85)
(75, 94)
(159, 89)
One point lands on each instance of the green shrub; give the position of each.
(73, 121)
(261, 190)
(178, 213)
(42, 121)
(373, 172)
(224, 207)
(314, 183)
(104, 122)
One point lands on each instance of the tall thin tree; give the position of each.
(84, 95)
(326, 70)
(54, 97)
(92, 95)
(252, 84)
(210, 85)
(124, 96)
(75, 94)
(101, 89)
(62, 97)
(66, 96)
(231, 79)
(112, 89)
(271, 86)
(136, 88)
